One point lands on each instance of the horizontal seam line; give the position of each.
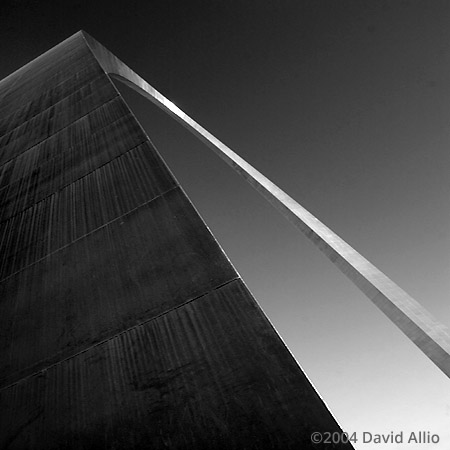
(53, 105)
(23, 79)
(20, 78)
(21, 71)
(23, 211)
(72, 182)
(61, 70)
(59, 131)
(99, 130)
(104, 341)
(90, 232)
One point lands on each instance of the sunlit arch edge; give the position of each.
(415, 321)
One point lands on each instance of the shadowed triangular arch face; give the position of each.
(123, 324)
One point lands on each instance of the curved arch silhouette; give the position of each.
(405, 312)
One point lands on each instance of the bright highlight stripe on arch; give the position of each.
(415, 321)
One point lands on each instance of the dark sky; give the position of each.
(346, 106)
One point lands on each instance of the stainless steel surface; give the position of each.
(122, 322)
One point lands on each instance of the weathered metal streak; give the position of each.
(416, 322)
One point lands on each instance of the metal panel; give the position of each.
(50, 168)
(212, 375)
(58, 116)
(81, 207)
(43, 73)
(42, 99)
(140, 265)
(77, 131)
